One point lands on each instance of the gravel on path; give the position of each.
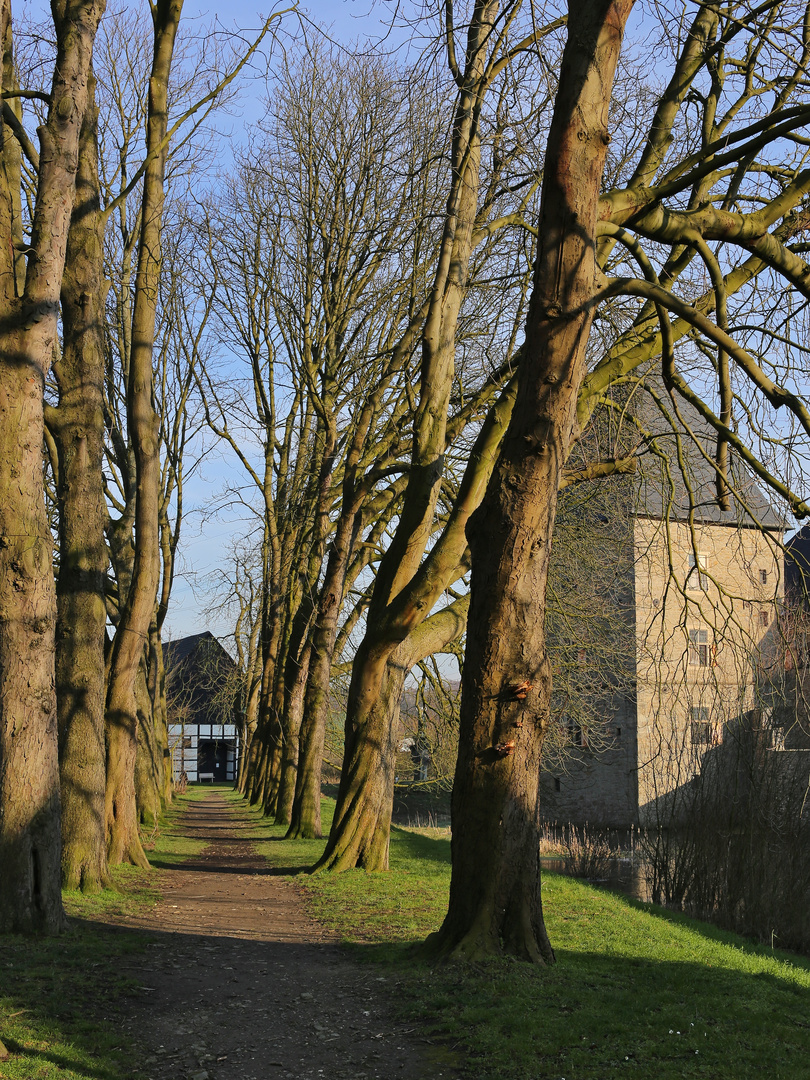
(238, 983)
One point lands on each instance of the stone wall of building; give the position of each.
(705, 599)
(706, 607)
(597, 785)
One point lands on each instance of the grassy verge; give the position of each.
(59, 997)
(636, 992)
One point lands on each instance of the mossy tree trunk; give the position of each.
(30, 826)
(77, 427)
(139, 607)
(305, 813)
(156, 684)
(366, 795)
(149, 756)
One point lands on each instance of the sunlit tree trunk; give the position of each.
(495, 900)
(138, 609)
(77, 426)
(366, 795)
(156, 685)
(30, 827)
(305, 814)
(293, 713)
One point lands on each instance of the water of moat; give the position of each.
(626, 876)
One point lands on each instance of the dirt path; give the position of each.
(239, 983)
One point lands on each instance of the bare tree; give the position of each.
(333, 216)
(481, 207)
(30, 897)
(704, 174)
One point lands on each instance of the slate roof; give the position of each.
(198, 671)
(797, 565)
(666, 490)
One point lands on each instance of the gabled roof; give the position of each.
(175, 651)
(669, 488)
(199, 680)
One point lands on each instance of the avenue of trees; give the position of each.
(416, 306)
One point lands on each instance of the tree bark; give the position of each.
(149, 757)
(156, 685)
(366, 795)
(30, 828)
(495, 901)
(305, 814)
(138, 611)
(293, 712)
(393, 613)
(77, 426)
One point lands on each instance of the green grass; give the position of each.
(58, 1006)
(60, 998)
(636, 992)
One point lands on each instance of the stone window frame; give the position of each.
(700, 654)
(697, 561)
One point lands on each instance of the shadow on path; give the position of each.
(238, 983)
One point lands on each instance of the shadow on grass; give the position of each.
(60, 1003)
(601, 1016)
(431, 848)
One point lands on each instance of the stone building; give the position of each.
(702, 593)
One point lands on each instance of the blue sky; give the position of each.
(206, 542)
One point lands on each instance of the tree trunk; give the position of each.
(495, 900)
(305, 815)
(290, 696)
(266, 730)
(271, 781)
(77, 426)
(30, 828)
(149, 757)
(366, 794)
(293, 713)
(138, 611)
(251, 711)
(156, 684)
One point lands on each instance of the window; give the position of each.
(696, 577)
(699, 648)
(700, 726)
(186, 742)
(576, 735)
(764, 618)
(763, 577)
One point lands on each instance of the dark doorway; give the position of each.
(212, 757)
